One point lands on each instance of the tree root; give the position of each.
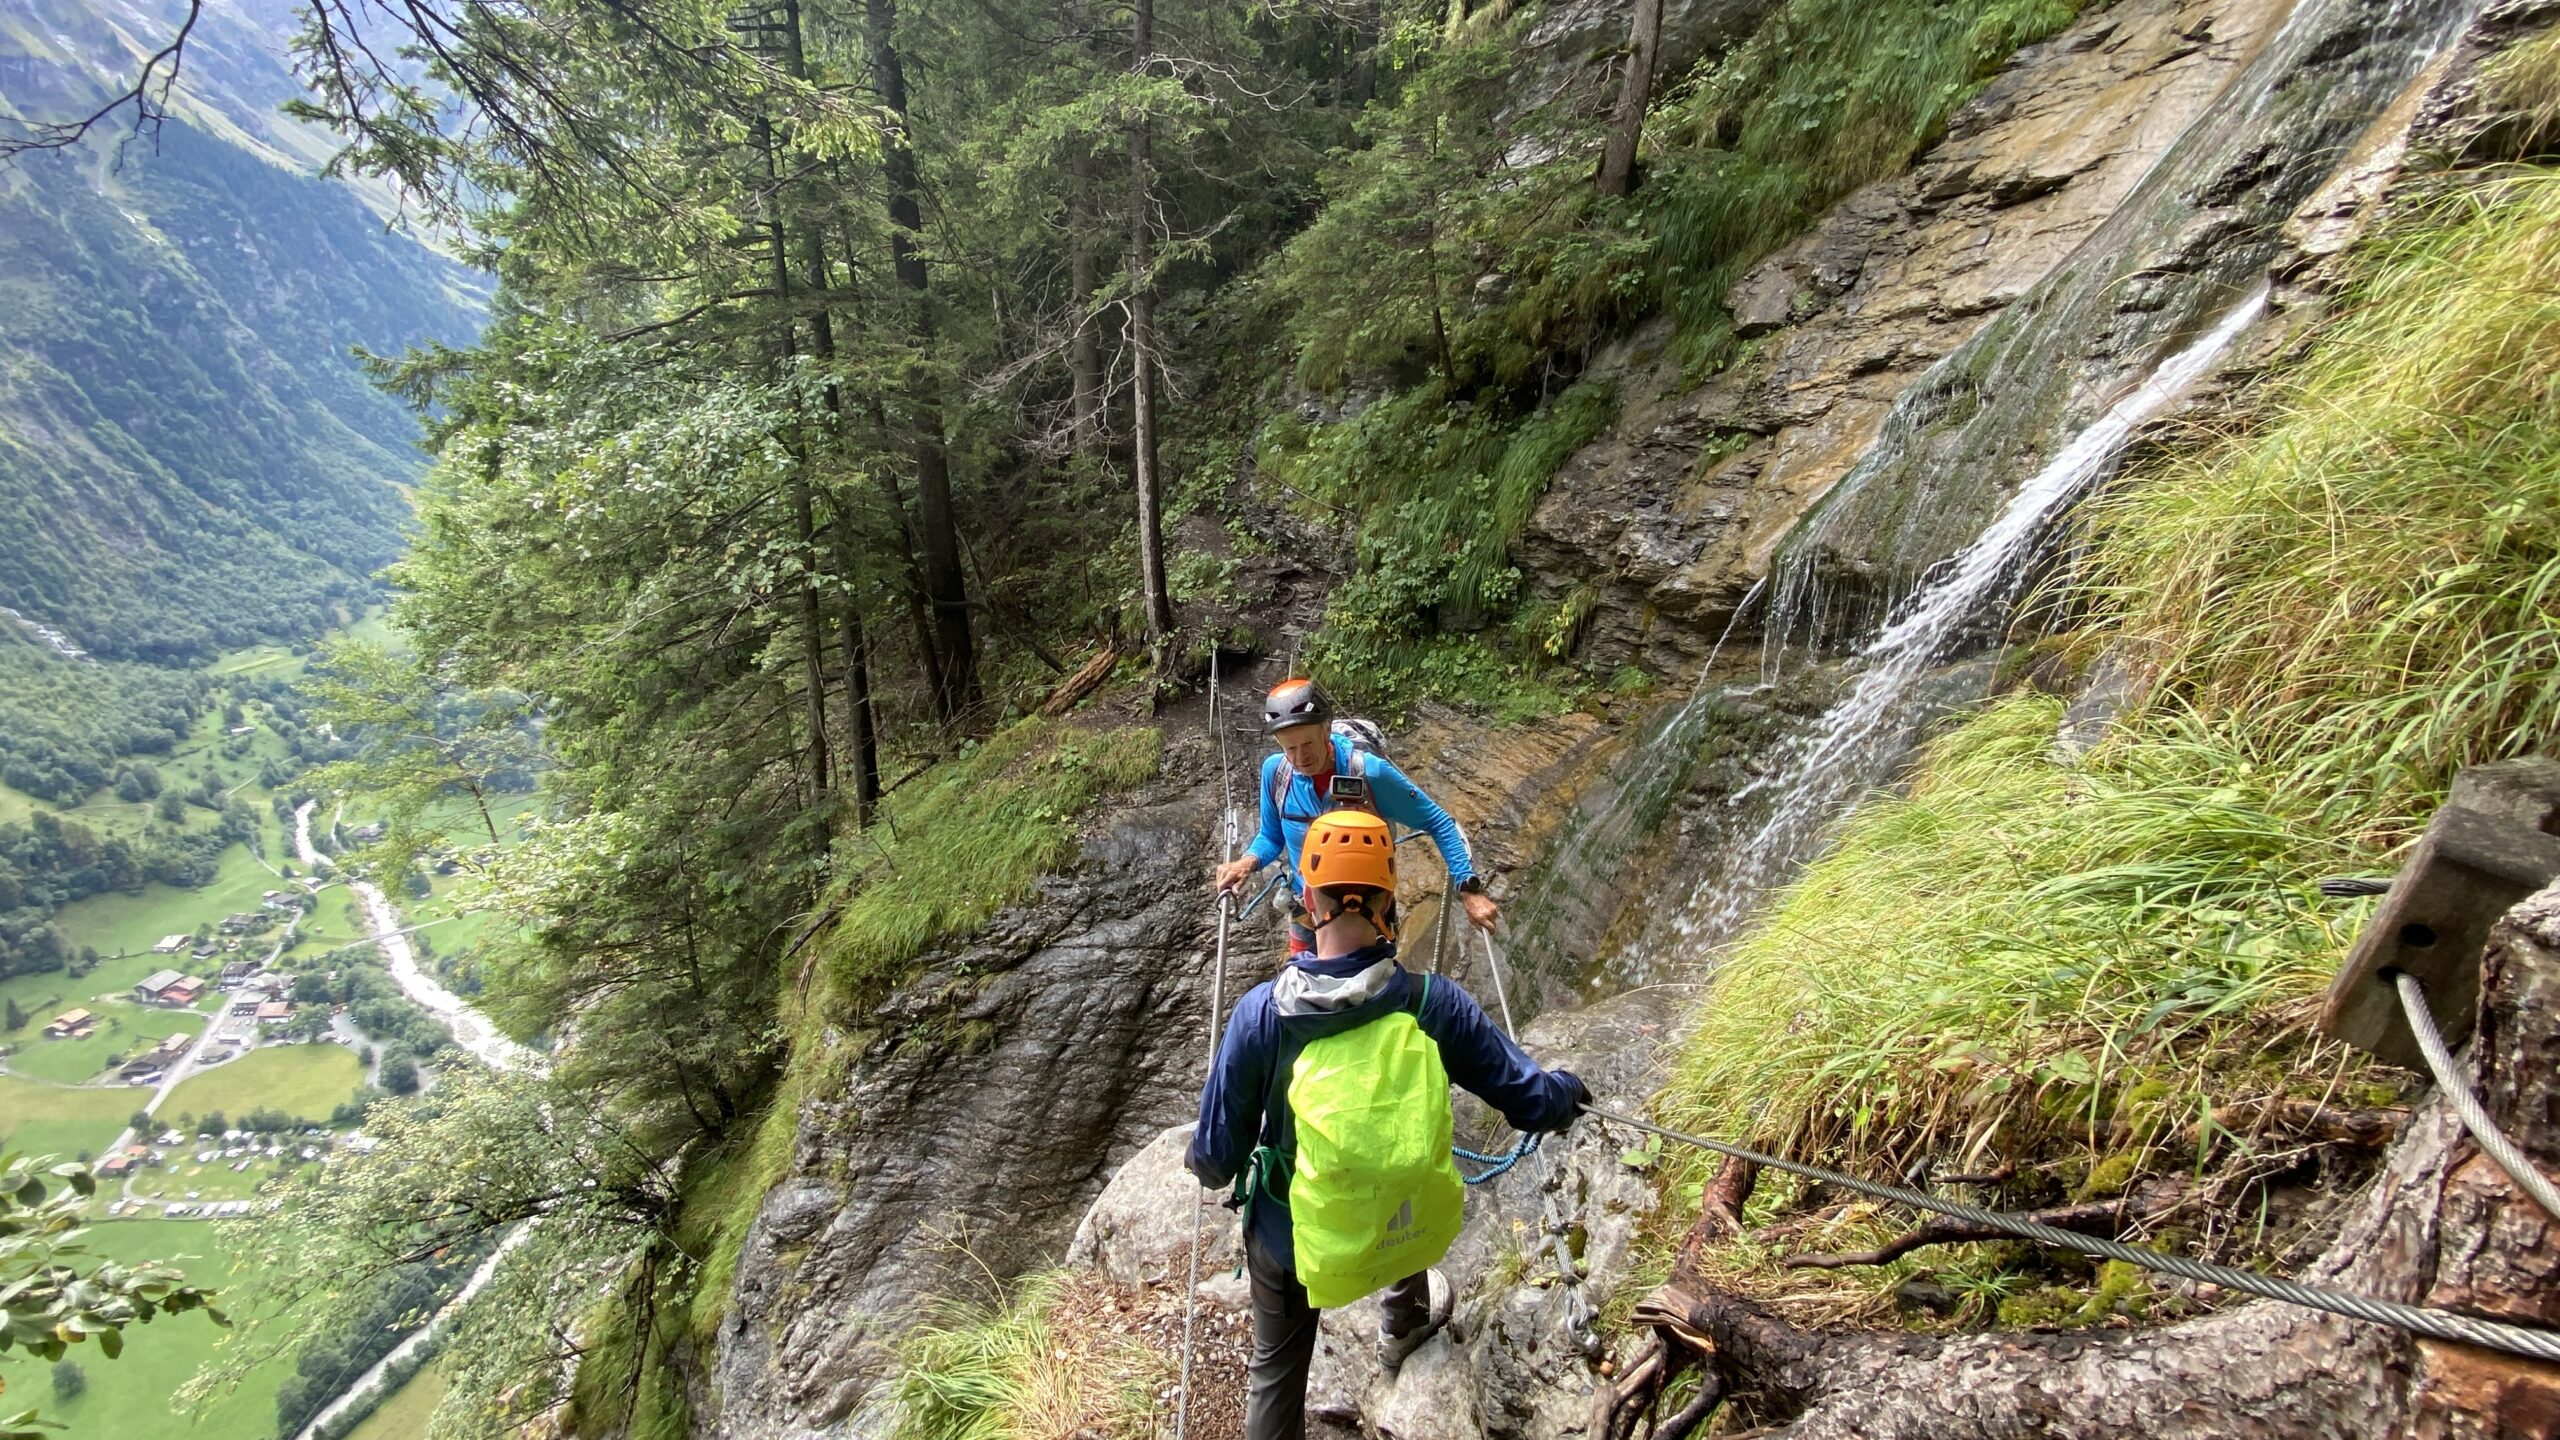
(2438, 1226)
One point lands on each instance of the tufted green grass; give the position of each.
(1024, 1368)
(1994, 963)
(970, 837)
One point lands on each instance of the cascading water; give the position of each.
(1564, 900)
(1916, 559)
(1859, 738)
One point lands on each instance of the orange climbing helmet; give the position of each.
(1353, 851)
(1348, 847)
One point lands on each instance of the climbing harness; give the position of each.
(2522, 1340)
(2484, 1132)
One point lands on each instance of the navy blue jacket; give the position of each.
(1473, 1049)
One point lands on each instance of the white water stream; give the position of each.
(471, 1029)
(1857, 738)
(473, 1032)
(367, 1387)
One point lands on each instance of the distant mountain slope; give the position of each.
(190, 458)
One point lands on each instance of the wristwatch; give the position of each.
(1472, 885)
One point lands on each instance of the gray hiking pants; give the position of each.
(1284, 1341)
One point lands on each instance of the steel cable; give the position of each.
(2484, 1131)
(1217, 1008)
(2536, 1344)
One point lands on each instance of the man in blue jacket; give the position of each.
(1316, 771)
(1350, 979)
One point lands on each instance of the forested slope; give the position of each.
(893, 409)
(189, 455)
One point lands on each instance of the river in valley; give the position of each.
(472, 1030)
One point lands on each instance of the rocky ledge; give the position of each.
(1672, 515)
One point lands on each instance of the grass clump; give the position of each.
(2067, 964)
(2017, 952)
(969, 838)
(2362, 593)
(1044, 1365)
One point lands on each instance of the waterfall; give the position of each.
(1856, 741)
(1914, 560)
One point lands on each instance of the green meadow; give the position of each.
(128, 1398)
(404, 1414)
(129, 925)
(304, 1081)
(41, 1119)
(124, 1029)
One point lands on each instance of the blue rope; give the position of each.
(1524, 1146)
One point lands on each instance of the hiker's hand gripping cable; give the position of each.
(1230, 877)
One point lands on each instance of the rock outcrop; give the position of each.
(978, 1116)
(1673, 514)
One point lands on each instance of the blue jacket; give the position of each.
(1400, 802)
(1314, 998)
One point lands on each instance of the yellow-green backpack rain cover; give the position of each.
(1374, 1195)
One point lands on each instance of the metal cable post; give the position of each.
(1217, 1008)
(1501, 994)
(2528, 1341)
(2484, 1131)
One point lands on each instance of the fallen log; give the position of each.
(1088, 678)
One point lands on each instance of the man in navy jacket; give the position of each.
(1351, 978)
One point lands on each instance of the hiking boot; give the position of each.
(1392, 1349)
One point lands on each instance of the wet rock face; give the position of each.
(1674, 513)
(979, 1115)
(1575, 51)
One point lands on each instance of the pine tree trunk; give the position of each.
(954, 673)
(1364, 60)
(1084, 275)
(1626, 125)
(2442, 1226)
(865, 725)
(813, 674)
(1142, 346)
